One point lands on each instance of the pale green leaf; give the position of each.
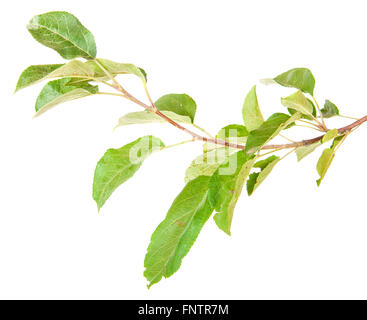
(326, 158)
(77, 70)
(331, 134)
(207, 163)
(60, 91)
(226, 185)
(64, 33)
(34, 74)
(314, 111)
(251, 113)
(324, 163)
(115, 68)
(256, 178)
(268, 130)
(176, 234)
(329, 110)
(143, 117)
(304, 151)
(300, 78)
(118, 165)
(181, 104)
(297, 101)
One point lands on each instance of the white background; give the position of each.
(289, 240)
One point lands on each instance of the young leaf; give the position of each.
(329, 110)
(118, 165)
(34, 74)
(326, 158)
(142, 117)
(297, 101)
(314, 111)
(251, 113)
(226, 185)
(59, 91)
(268, 130)
(300, 78)
(176, 234)
(331, 134)
(181, 104)
(207, 163)
(116, 68)
(324, 163)
(304, 151)
(64, 33)
(256, 178)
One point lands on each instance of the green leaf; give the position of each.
(207, 163)
(74, 69)
(34, 74)
(256, 178)
(304, 151)
(176, 234)
(77, 70)
(232, 130)
(298, 102)
(118, 165)
(314, 111)
(300, 78)
(336, 141)
(116, 68)
(64, 33)
(326, 158)
(226, 185)
(329, 110)
(233, 133)
(324, 163)
(331, 134)
(59, 91)
(142, 117)
(268, 130)
(251, 113)
(181, 104)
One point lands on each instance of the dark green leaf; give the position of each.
(181, 104)
(226, 185)
(59, 91)
(64, 33)
(174, 237)
(118, 165)
(300, 78)
(251, 113)
(329, 110)
(256, 178)
(34, 74)
(268, 130)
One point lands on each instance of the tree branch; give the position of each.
(198, 137)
